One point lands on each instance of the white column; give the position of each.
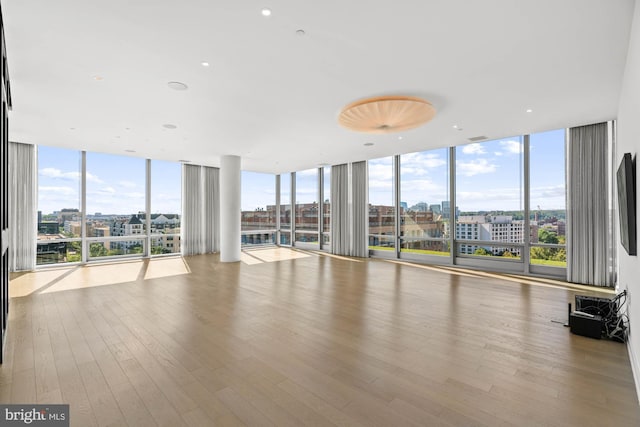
(230, 187)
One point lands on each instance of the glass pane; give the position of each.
(258, 216)
(307, 206)
(166, 207)
(115, 203)
(59, 215)
(554, 257)
(110, 248)
(56, 251)
(489, 192)
(424, 189)
(486, 250)
(285, 237)
(326, 215)
(548, 197)
(381, 204)
(285, 201)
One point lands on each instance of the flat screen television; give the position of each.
(626, 178)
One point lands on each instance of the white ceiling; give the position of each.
(272, 96)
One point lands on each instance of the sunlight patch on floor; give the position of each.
(166, 267)
(98, 275)
(27, 283)
(258, 256)
(535, 281)
(56, 279)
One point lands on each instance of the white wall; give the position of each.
(629, 142)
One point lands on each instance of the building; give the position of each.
(493, 228)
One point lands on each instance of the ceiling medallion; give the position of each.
(386, 114)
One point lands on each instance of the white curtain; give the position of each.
(589, 258)
(340, 232)
(211, 209)
(23, 203)
(200, 210)
(359, 211)
(349, 209)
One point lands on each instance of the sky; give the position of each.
(115, 184)
(489, 177)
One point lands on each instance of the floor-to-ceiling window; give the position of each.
(285, 209)
(424, 190)
(326, 207)
(306, 212)
(547, 198)
(166, 207)
(59, 203)
(116, 214)
(382, 234)
(489, 198)
(258, 216)
(117, 199)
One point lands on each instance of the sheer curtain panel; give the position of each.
(211, 219)
(340, 209)
(359, 218)
(589, 260)
(23, 203)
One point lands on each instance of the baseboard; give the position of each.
(635, 368)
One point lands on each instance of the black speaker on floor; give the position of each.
(587, 326)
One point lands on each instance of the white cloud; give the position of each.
(93, 178)
(548, 197)
(106, 190)
(420, 164)
(512, 146)
(475, 148)
(475, 167)
(127, 184)
(71, 176)
(380, 172)
(133, 195)
(498, 153)
(58, 174)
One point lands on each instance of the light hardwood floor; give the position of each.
(315, 340)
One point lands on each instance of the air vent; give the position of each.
(477, 138)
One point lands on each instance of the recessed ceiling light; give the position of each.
(456, 127)
(130, 151)
(204, 64)
(72, 128)
(529, 110)
(169, 126)
(266, 12)
(400, 138)
(127, 128)
(184, 161)
(98, 78)
(177, 86)
(300, 33)
(368, 144)
(323, 165)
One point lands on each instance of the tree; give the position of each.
(547, 236)
(97, 250)
(482, 252)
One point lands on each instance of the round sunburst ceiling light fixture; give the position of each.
(386, 114)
